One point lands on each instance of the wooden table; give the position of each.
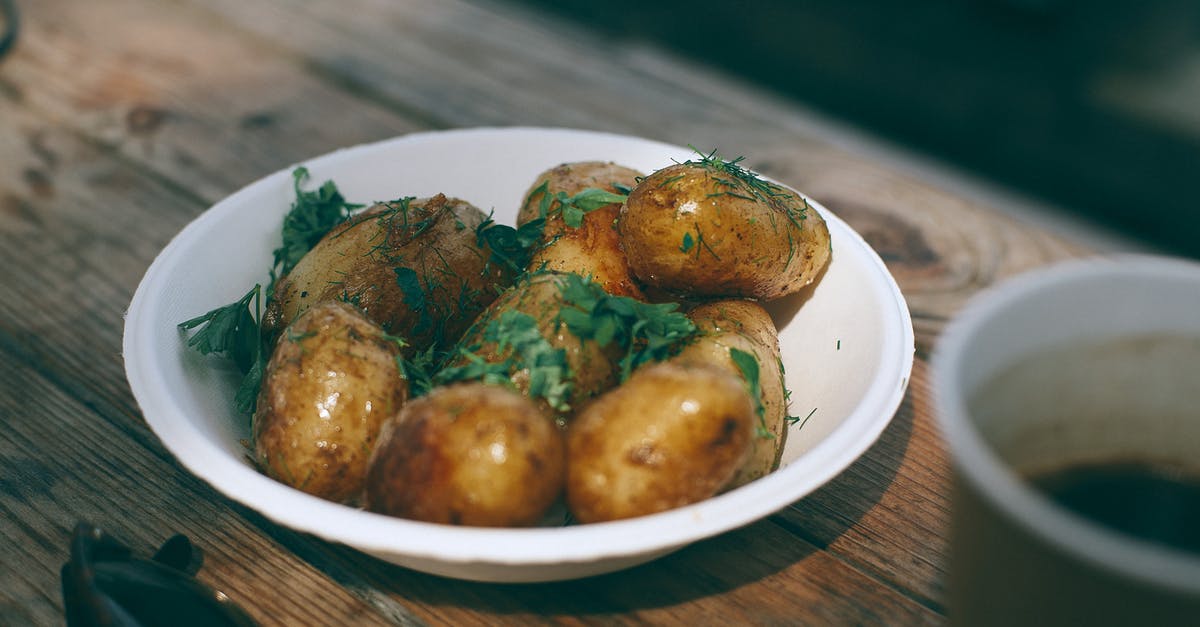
(120, 121)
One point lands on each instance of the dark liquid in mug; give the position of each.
(1157, 503)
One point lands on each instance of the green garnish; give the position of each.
(748, 364)
(573, 208)
(414, 296)
(517, 336)
(642, 331)
(233, 331)
(313, 214)
(510, 247)
(688, 242)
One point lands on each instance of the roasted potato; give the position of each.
(522, 328)
(671, 435)
(710, 228)
(468, 454)
(743, 325)
(592, 248)
(331, 382)
(413, 266)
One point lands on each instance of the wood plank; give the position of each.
(186, 96)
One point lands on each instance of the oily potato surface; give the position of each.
(468, 454)
(712, 229)
(671, 435)
(744, 325)
(331, 382)
(413, 266)
(592, 248)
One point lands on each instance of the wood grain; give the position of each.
(121, 121)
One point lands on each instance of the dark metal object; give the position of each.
(105, 585)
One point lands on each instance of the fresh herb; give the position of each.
(517, 336)
(747, 363)
(414, 296)
(312, 215)
(794, 419)
(574, 208)
(233, 332)
(688, 242)
(510, 247)
(642, 331)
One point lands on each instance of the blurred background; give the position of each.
(1090, 106)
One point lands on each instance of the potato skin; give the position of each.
(468, 454)
(593, 368)
(671, 435)
(696, 230)
(432, 238)
(331, 382)
(593, 248)
(745, 325)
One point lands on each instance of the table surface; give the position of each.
(121, 121)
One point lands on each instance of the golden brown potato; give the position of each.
(468, 454)
(592, 248)
(412, 266)
(745, 326)
(535, 302)
(671, 435)
(331, 382)
(713, 229)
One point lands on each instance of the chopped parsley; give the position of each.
(233, 331)
(573, 208)
(312, 215)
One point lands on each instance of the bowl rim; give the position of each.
(385, 535)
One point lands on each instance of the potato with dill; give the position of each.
(561, 340)
(331, 382)
(414, 266)
(468, 454)
(672, 435)
(739, 337)
(710, 228)
(578, 203)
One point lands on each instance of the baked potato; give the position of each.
(331, 382)
(739, 337)
(413, 266)
(592, 247)
(468, 454)
(671, 435)
(710, 228)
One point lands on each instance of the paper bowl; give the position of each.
(847, 347)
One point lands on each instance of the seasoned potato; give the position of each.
(745, 326)
(671, 435)
(468, 454)
(712, 229)
(331, 382)
(592, 248)
(412, 265)
(522, 325)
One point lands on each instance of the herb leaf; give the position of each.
(642, 331)
(748, 364)
(312, 215)
(510, 247)
(233, 331)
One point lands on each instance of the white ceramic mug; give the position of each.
(1081, 361)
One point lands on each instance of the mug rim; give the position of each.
(981, 467)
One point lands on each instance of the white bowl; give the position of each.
(847, 348)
